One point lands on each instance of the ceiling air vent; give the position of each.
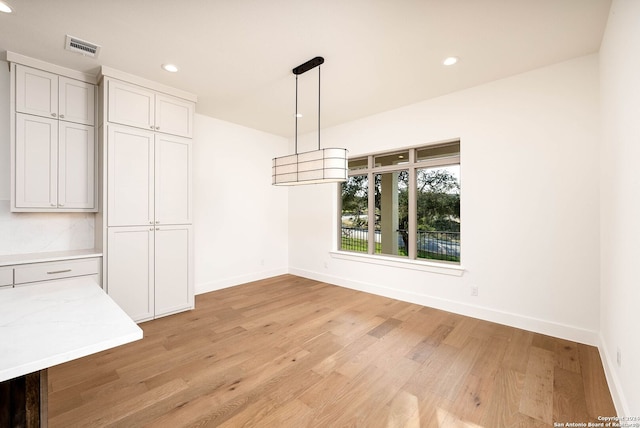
(81, 46)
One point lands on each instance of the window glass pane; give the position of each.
(438, 152)
(392, 159)
(438, 213)
(392, 213)
(355, 164)
(355, 214)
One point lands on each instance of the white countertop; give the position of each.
(16, 259)
(51, 323)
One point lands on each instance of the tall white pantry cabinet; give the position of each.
(146, 227)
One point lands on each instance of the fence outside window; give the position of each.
(434, 245)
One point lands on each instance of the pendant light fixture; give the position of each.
(318, 166)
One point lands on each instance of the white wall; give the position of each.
(34, 232)
(530, 219)
(240, 219)
(620, 203)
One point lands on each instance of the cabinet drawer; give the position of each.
(56, 270)
(6, 276)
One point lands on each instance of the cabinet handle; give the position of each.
(53, 205)
(151, 126)
(61, 205)
(53, 114)
(62, 116)
(157, 128)
(151, 228)
(157, 221)
(150, 222)
(157, 228)
(58, 271)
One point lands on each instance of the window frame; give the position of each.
(412, 165)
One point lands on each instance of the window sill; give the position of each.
(441, 268)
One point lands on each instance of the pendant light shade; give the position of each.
(318, 166)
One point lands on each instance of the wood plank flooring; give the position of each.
(292, 352)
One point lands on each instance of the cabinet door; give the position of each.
(36, 92)
(76, 101)
(174, 115)
(130, 105)
(130, 273)
(173, 269)
(36, 160)
(76, 166)
(172, 180)
(129, 176)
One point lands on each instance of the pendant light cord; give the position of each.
(319, 107)
(296, 138)
(296, 121)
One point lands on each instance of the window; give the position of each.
(404, 204)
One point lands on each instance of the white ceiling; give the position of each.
(237, 55)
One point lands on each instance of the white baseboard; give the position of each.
(206, 287)
(536, 325)
(622, 407)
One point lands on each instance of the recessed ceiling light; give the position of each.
(5, 7)
(171, 68)
(450, 60)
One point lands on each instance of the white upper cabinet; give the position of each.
(54, 164)
(48, 95)
(76, 101)
(36, 162)
(53, 142)
(136, 106)
(131, 105)
(36, 92)
(76, 166)
(174, 116)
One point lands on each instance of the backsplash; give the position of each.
(42, 232)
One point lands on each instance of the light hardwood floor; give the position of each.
(292, 352)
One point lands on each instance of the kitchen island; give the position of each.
(49, 323)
